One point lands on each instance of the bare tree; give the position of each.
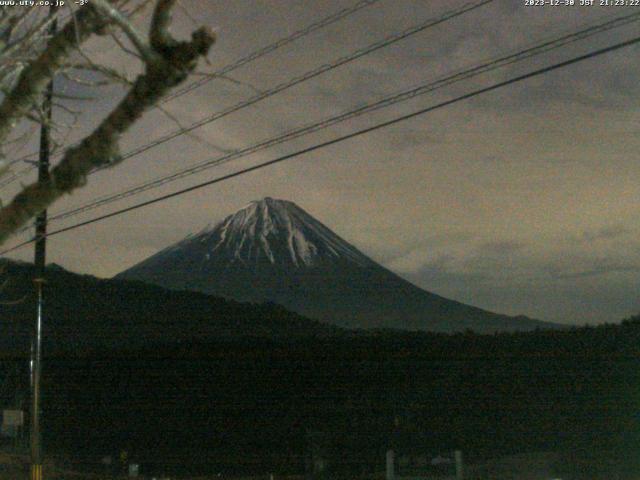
(29, 58)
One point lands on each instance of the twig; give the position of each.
(126, 26)
(173, 63)
(34, 78)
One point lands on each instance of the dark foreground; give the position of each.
(250, 407)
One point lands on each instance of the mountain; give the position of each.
(83, 313)
(272, 250)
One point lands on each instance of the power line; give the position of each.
(59, 19)
(385, 42)
(342, 138)
(256, 54)
(389, 40)
(272, 47)
(429, 87)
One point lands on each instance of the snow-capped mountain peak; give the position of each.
(273, 231)
(272, 250)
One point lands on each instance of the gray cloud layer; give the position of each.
(522, 201)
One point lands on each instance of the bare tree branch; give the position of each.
(159, 36)
(34, 78)
(145, 50)
(191, 135)
(173, 61)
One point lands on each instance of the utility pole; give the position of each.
(40, 260)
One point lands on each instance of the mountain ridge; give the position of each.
(83, 312)
(272, 250)
(243, 237)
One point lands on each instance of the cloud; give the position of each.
(435, 252)
(443, 271)
(605, 233)
(412, 138)
(563, 287)
(508, 201)
(604, 268)
(418, 260)
(501, 247)
(455, 259)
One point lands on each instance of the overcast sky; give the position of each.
(521, 201)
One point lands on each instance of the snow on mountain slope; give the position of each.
(274, 231)
(272, 250)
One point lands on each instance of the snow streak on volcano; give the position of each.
(276, 231)
(272, 250)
